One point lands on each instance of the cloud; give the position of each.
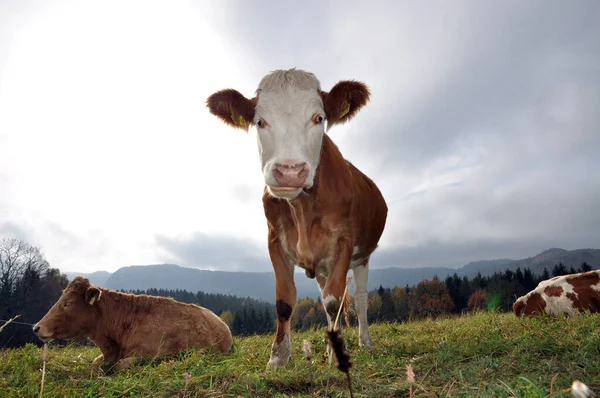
(10, 230)
(214, 252)
(482, 131)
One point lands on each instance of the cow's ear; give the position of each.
(92, 294)
(344, 101)
(232, 108)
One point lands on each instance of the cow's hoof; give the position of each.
(276, 362)
(365, 342)
(280, 352)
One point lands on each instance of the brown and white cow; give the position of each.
(323, 214)
(126, 326)
(566, 294)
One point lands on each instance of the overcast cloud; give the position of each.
(483, 131)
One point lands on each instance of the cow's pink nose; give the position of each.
(290, 173)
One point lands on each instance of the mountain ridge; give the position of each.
(261, 285)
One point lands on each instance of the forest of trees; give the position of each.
(29, 287)
(431, 298)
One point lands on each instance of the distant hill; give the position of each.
(98, 278)
(472, 268)
(261, 285)
(547, 259)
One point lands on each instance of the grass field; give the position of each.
(481, 355)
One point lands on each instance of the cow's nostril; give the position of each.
(36, 328)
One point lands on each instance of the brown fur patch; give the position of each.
(518, 307)
(535, 304)
(346, 96)
(229, 105)
(284, 310)
(280, 334)
(553, 291)
(587, 298)
(574, 299)
(583, 282)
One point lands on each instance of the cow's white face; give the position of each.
(290, 125)
(290, 112)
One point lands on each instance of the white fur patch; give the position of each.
(287, 102)
(330, 299)
(357, 262)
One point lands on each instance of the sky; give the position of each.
(483, 130)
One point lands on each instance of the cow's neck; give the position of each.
(109, 326)
(330, 195)
(332, 184)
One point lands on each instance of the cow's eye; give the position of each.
(261, 123)
(318, 119)
(67, 304)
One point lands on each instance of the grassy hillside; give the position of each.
(484, 355)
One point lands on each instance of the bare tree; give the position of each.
(17, 258)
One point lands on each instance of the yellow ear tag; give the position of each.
(241, 121)
(92, 300)
(345, 109)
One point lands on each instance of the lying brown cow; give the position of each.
(566, 294)
(125, 326)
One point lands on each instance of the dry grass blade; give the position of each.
(44, 359)
(410, 378)
(9, 321)
(308, 357)
(552, 381)
(346, 303)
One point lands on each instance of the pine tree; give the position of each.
(585, 267)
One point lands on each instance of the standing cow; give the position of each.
(125, 326)
(323, 214)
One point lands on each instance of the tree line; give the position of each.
(435, 297)
(28, 287)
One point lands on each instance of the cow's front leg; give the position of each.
(285, 293)
(335, 285)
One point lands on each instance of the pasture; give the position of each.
(480, 355)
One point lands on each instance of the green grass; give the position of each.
(482, 355)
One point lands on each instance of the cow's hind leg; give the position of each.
(321, 281)
(361, 302)
(335, 284)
